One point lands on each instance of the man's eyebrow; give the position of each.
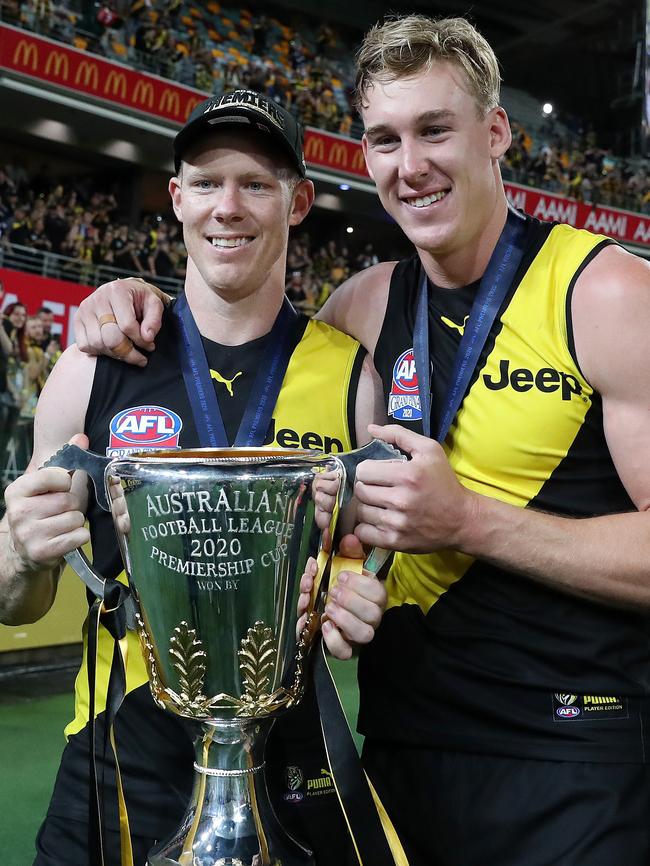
(435, 116)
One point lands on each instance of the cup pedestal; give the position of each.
(230, 820)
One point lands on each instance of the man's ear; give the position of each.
(175, 194)
(303, 199)
(500, 133)
(364, 148)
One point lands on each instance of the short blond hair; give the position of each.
(404, 46)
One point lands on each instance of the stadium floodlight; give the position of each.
(547, 109)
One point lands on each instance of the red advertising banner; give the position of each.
(61, 297)
(335, 152)
(45, 60)
(622, 225)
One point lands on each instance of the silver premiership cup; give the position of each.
(214, 544)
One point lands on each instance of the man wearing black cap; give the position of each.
(244, 108)
(240, 183)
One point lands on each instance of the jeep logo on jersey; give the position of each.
(546, 380)
(404, 399)
(143, 428)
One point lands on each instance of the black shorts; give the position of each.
(61, 841)
(457, 809)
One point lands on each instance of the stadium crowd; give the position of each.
(580, 170)
(209, 46)
(308, 67)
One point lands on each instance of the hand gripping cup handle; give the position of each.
(374, 450)
(71, 457)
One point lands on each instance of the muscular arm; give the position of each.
(606, 559)
(46, 508)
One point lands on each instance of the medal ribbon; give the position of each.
(492, 291)
(109, 612)
(372, 834)
(265, 389)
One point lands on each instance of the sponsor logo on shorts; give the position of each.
(299, 786)
(567, 707)
(404, 397)
(294, 779)
(143, 428)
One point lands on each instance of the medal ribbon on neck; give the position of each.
(264, 391)
(492, 291)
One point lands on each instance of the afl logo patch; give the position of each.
(567, 712)
(404, 398)
(143, 428)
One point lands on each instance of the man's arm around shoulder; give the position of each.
(46, 508)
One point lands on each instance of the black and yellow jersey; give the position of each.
(134, 408)
(469, 656)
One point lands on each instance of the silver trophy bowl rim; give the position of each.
(224, 455)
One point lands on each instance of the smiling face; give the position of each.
(18, 316)
(434, 159)
(236, 211)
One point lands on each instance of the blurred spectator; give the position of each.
(46, 316)
(367, 258)
(27, 373)
(14, 349)
(19, 228)
(161, 261)
(28, 351)
(127, 258)
(260, 35)
(13, 322)
(6, 350)
(37, 238)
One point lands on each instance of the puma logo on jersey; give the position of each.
(450, 324)
(227, 382)
(545, 380)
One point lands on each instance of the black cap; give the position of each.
(248, 110)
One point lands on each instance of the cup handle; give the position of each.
(374, 450)
(71, 457)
